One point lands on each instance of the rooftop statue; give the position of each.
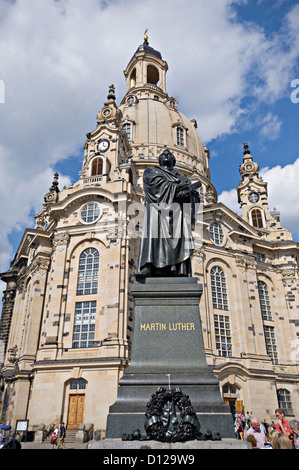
(167, 243)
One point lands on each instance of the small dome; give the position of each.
(145, 47)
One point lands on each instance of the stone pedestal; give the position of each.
(168, 351)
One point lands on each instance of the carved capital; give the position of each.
(61, 240)
(40, 266)
(198, 255)
(289, 277)
(210, 196)
(12, 354)
(245, 262)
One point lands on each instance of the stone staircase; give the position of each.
(70, 435)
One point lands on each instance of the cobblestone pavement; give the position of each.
(48, 445)
(117, 444)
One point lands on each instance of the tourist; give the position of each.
(54, 437)
(294, 425)
(61, 437)
(252, 440)
(248, 422)
(240, 429)
(269, 438)
(256, 431)
(272, 426)
(281, 441)
(266, 426)
(283, 425)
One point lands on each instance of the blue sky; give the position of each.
(231, 64)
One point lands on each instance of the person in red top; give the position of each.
(283, 425)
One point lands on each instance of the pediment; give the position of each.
(62, 207)
(234, 224)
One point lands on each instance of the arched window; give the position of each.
(219, 292)
(133, 78)
(127, 130)
(284, 401)
(97, 167)
(152, 75)
(88, 272)
(256, 217)
(264, 301)
(216, 233)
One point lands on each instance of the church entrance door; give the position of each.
(76, 411)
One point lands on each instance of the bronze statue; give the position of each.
(167, 242)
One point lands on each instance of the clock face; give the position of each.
(253, 197)
(103, 145)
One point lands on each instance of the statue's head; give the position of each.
(167, 159)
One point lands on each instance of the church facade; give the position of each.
(68, 316)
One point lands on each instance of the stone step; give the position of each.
(70, 435)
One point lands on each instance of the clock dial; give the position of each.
(103, 145)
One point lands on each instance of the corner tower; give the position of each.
(253, 198)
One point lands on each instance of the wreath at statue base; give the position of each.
(163, 424)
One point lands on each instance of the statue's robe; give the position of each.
(170, 208)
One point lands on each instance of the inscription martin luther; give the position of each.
(178, 326)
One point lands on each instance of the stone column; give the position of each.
(9, 294)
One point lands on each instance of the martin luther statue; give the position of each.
(170, 207)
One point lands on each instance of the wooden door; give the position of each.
(239, 406)
(76, 411)
(231, 402)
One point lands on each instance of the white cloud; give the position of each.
(59, 57)
(283, 194)
(270, 126)
(278, 58)
(230, 199)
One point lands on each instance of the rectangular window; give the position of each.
(223, 335)
(284, 401)
(271, 343)
(260, 257)
(180, 136)
(127, 130)
(84, 325)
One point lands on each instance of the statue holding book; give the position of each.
(170, 209)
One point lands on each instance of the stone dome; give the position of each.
(156, 123)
